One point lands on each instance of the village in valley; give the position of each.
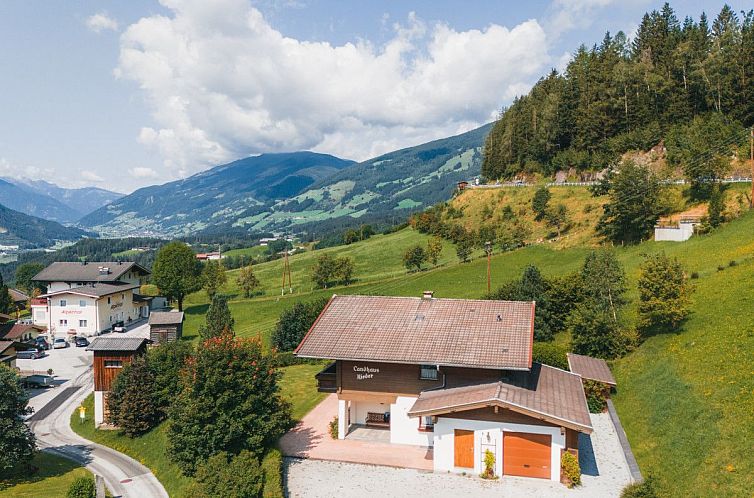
(525, 283)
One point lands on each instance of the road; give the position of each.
(123, 475)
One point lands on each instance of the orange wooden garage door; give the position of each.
(526, 455)
(464, 449)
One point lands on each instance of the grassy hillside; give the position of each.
(53, 479)
(685, 399)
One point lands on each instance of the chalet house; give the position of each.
(8, 349)
(111, 354)
(20, 299)
(88, 298)
(165, 326)
(20, 332)
(454, 375)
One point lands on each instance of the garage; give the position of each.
(527, 455)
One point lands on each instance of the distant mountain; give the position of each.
(30, 232)
(218, 196)
(386, 187)
(48, 201)
(275, 192)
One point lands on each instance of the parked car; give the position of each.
(38, 381)
(40, 343)
(29, 354)
(81, 342)
(119, 327)
(60, 343)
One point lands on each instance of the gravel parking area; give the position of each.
(604, 468)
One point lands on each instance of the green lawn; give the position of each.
(52, 480)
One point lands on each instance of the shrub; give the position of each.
(644, 489)
(551, 354)
(489, 465)
(272, 466)
(82, 487)
(695, 275)
(596, 395)
(334, 428)
(232, 477)
(570, 470)
(295, 322)
(732, 263)
(720, 268)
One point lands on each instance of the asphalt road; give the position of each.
(123, 475)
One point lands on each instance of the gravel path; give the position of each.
(604, 466)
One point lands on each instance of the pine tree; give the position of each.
(664, 294)
(131, 402)
(219, 320)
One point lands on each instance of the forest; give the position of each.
(626, 95)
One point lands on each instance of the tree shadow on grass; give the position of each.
(44, 465)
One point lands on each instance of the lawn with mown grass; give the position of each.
(52, 480)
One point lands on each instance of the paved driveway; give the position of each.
(314, 474)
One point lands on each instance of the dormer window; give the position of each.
(428, 372)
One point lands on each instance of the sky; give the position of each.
(122, 95)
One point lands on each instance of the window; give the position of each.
(82, 303)
(63, 303)
(63, 323)
(82, 323)
(428, 372)
(108, 300)
(113, 364)
(427, 424)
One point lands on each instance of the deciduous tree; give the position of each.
(539, 202)
(414, 257)
(17, 442)
(664, 294)
(24, 275)
(434, 249)
(213, 277)
(247, 281)
(176, 272)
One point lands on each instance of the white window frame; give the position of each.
(429, 372)
(63, 303)
(63, 322)
(82, 303)
(82, 323)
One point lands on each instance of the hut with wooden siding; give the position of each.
(111, 354)
(165, 326)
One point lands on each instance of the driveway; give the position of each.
(313, 472)
(123, 475)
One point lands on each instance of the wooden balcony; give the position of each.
(327, 379)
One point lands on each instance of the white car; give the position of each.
(60, 343)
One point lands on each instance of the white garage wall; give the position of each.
(444, 443)
(405, 430)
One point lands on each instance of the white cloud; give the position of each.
(568, 15)
(142, 172)
(91, 176)
(11, 169)
(222, 83)
(101, 22)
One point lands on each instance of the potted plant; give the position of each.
(489, 465)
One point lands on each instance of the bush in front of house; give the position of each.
(131, 401)
(570, 470)
(549, 353)
(272, 466)
(645, 489)
(334, 428)
(596, 395)
(82, 487)
(228, 476)
(489, 465)
(229, 401)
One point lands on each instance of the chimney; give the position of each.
(428, 295)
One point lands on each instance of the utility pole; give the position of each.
(488, 250)
(286, 274)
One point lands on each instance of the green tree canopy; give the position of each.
(229, 401)
(17, 442)
(539, 202)
(294, 323)
(131, 401)
(219, 318)
(247, 281)
(414, 257)
(213, 277)
(228, 476)
(664, 294)
(24, 275)
(176, 272)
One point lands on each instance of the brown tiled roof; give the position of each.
(117, 344)
(95, 290)
(166, 318)
(591, 368)
(451, 332)
(89, 272)
(545, 392)
(15, 331)
(17, 295)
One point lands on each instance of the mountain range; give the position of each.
(50, 202)
(289, 191)
(29, 232)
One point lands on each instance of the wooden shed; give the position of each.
(111, 354)
(165, 326)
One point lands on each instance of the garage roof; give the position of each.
(451, 332)
(591, 368)
(117, 344)
(545, 392)
(166, 318)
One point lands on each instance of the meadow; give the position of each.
(54, 477)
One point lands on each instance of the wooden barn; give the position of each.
(111, 354)
(165, 326)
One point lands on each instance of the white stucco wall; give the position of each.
(672, 234)
(359, 410)
(99, 407)
(342, 418)
(405, 430)
(444, 451)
